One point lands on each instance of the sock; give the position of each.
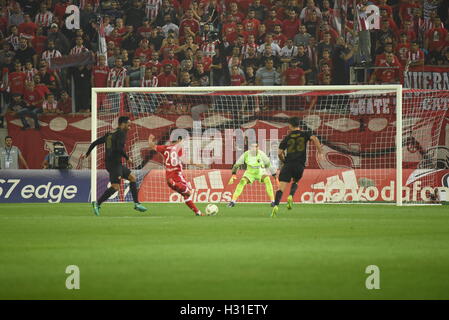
(239, 189)
(269, 188)
(278, 197)
(133, 188)
(293, 189)
(191, 205)
(109, 192)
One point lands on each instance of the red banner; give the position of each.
(427, 77)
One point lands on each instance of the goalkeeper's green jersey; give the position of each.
(258, 161)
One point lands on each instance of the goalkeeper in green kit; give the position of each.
(257, 164)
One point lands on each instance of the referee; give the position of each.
(293, 154)
(114, 146)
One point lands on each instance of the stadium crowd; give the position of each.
(149, 43)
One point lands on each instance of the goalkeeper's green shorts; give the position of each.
(255, 174)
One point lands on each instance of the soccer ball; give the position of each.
(211, 210)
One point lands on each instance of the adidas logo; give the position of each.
(346, 187)
(204, 191)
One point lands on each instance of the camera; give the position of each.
(59, 159)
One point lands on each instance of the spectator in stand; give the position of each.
(65, 102)
(100, 72)
(364, 32)
(16, 79)
(28, 27)
(185, 79)
(308, 11)
(49, 78)
(154, 62)
(251, 24)
(326, 28)
(155, 39)
(6, 50)
(304, 60)
(293, 75)
(51, 52)
(437, 39)
(33, 101)
(82, 80)
(342, 59)
(381, 58)
(290, 25)
(312, 25)
(167, 78)
(388, 72)
(192, 24)
(60, 40)
(135, 14)
(260, 11)
(149, 79)
(39, 41)
(200, 78)
(144, 51)
(325, 71)
(275, 48)
(30, 71)
(302, 37)
(289, 52)
(17, 106)
(117, 75)
(25, 52)
(392, 24)
(325, 59)
(44, 18)
(50, 105)
(218, 68)
(40, 87)
(268, 55)
(171, 59)
(415, 57)
(169, 44)
(115, 38)
(237, 79)
(15, 17)
(79, 47)
(135, 74)
(169, 26)
(272, 20)
(278, 37)
(268, 76)
(403, 49)
(130, 39)
(325, 45)
(250, 76)
(251, 59)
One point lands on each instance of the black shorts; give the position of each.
(117, 172)
(291, 171)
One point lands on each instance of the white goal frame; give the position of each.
(391, 87)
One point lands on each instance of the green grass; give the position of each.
(311, 252)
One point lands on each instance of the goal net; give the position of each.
(382, 144)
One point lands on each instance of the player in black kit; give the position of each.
(293, 154)
(114, 152)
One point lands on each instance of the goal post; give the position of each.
(381, 142)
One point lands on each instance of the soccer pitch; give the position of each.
(311, 252)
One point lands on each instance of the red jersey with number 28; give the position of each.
(172, 158)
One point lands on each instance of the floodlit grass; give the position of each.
(311, 252)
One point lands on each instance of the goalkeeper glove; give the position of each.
(231, 181)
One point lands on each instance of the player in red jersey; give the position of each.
(172, 154)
